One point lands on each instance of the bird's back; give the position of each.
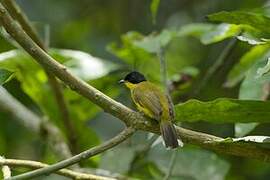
(151, 100)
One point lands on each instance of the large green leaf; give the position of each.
(5, 75)
(223, 111)
(239, 71)
(258, 21)
(220, 32)
(190, 163)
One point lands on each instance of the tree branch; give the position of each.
(75, 159)
(120, 111)
(18, 15)
(63, 172)
(5, 169)
(33, 122)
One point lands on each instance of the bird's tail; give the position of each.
(169, 135)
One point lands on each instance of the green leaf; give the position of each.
(257, 21)
(154, 9)
(153, 43)
(223, 110)
(220, 33)
(5, 76)
(239, 71)
(189, 163)
(195, 29)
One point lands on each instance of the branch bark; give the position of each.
(19, 15)
(5, 169)
(128, 116)
(75, 159)
(63, 172)
(33, 122)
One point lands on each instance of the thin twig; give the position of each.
(16, 12)
(126, 133)
(33, 122)
(163, 69)
(117, 109)
(63, 172)
(164, 77)
(221, 58)
(62, 106)
(142, 152)
(171, 165)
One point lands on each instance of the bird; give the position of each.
(155, 104)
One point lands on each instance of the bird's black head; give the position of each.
(134, 77)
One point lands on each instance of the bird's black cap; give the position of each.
(134, 77)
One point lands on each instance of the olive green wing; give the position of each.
(149, 100)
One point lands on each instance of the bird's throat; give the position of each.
(130, 85)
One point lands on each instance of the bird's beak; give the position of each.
(121, 81)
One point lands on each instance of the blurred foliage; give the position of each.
(189, 163)
(4, 76)
(100, 41)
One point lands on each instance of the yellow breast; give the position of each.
(142, 109)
